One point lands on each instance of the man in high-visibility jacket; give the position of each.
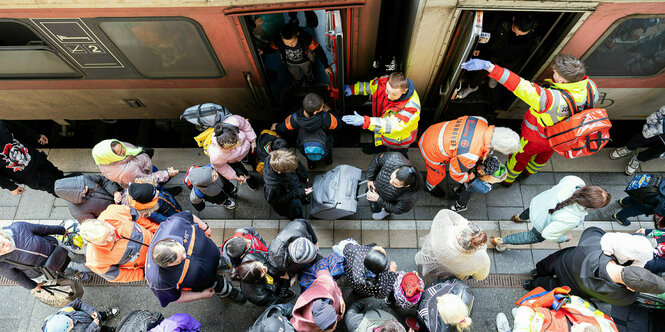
(547, 107)
(395, 112)
(460, 144)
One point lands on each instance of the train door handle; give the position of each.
(252, 88)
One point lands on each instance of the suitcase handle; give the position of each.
(363, 194)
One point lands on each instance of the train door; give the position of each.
(477, 35)
(287, 76)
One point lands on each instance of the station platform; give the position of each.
(400, 234)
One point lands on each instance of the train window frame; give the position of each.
(48, 47)
(607, 33)
(197, 27)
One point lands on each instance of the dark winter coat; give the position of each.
(278, 253)
(280, 189)
(81, 313)
(280, 310)
(354, 269)
(32, 246)
(428, 314)
(264, 292)
(301, 52)
(325, 121)
(20, 160)
(357, 319)
(583, 268)
(504, 47)
(100, 194)
(393, 199)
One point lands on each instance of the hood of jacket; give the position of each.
(410, 89)
(309, 124)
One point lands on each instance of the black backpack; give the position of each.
(644, 187)
(313, 143)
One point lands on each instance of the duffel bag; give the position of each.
(584, 133)
(58, 293)
(205, 115)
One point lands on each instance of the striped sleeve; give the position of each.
(536, 97)
(365, 88)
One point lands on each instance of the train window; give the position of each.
(164, 47)
(631, 47)
(23, 54)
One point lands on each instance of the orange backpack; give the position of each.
(584, 132)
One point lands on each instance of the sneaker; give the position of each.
(412, 322)
(380, 215)
(492, 83)
(236, 296)
(621, 222)
(516, 219)
(174, 191)
(533, 273)
(437, 192)
(497, 243)
(458, 208)
(229, 204)
(111, 313)
(528, 284)
(286, 296)
(621, 203)
(82, 276)
(502, 324)
(619, 153)
(632, 166)
(466, 92)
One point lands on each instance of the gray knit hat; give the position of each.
(302, 251)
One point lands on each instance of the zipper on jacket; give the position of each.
(31, 252)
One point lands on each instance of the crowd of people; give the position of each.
(135, 230)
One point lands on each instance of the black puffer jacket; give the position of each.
(261, 293)
(278, 253)
(428, 314)
(32, 246)
(393, 199)
(282, 188)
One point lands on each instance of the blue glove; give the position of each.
(354, 120)
(347, 90)
(476, 64)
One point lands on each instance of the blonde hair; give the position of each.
(453, 311)
(283, 161)
(94, 230)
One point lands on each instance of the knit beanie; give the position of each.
(58, 323)
(200, 176)
(142, 195)
(323, 313)
(491, 165)
(411, 285)
(302, 251)
(642, 280)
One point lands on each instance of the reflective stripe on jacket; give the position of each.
(459, 143)
(394, 123)
(547, 105)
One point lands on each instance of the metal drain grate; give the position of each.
(95, 280)
(499, 281)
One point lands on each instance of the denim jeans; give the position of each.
(531, 236)
(633, 209)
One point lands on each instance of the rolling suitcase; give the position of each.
(334, 194)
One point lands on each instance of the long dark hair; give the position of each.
(376, 262)
(592, 197)
(248, 272)
(410, 176)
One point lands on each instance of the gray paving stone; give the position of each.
(428, 212)
(514, 261)
(425, 199)
(530, 191)
(500, 196)
(604, 214)
(492, 254)
(362, 212)
(539, 178)
(476, 208)
(17, 320)
(410, 215)
(582, 175)
(60, 212)
(35, 204)
(7, 199)
(216, 212)
(600, 179)
(502, 213)
(7, 212)
(539, 254)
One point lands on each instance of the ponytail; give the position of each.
(590, 197)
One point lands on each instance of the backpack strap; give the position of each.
(198, 115)
(190, 249)
(590, 98)
(569, 101)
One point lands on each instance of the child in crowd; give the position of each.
(313, 124)
(207, 185)
(243, 241)
(283, 175)
(150, 202)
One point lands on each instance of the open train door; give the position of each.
(336, 41)
(465, 39)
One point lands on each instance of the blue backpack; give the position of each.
(644, 187)
(313, 143)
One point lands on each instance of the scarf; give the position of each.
(104, 155)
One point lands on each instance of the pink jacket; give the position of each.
(324, 287)
(132, 168)
(220, 158)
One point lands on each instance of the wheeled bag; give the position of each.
(334, 194)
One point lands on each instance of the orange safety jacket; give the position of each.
(122, 260)
(547, 105)
(459, 143)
